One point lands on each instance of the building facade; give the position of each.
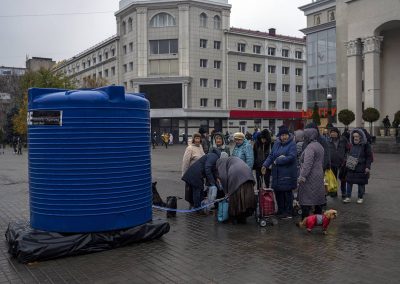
(321, 52)
(196, 70)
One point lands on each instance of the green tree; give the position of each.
(43, 78)
(92, 83)
(371, 115)
(315, 115)
(396, 120)
(346, 117)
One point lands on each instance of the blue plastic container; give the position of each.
(89, 160)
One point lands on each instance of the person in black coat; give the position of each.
(261, 150)
(361, 152)
(205, 167)
(321, 140)
(337, 149)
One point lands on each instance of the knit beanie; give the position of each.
(283, 130)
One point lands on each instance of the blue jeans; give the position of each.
(361, 190)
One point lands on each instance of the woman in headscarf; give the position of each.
(243, 149)
(193, 152)
(284, 171)
(219, 143)
(261, 149)
(238, 183)
(311, 179)
(361, 153)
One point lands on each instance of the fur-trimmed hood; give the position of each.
(363, 137)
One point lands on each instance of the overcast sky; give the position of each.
(52, 28)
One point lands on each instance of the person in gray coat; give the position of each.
(311, 178)
(238, 183)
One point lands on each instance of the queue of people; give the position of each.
(293, 162)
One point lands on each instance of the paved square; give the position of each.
(363, 244)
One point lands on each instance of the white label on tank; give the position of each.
(45, 117)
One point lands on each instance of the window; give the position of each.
(100, 74)
(162, 20)
(106, 72)
(217, 64)
(257, 104)
(317, 19)
(285, 88)
(203, 43)
(271, 69)
(271, 51)
(113, 71)
(257, 49)
(299, 72)
(242, 84)
(106, 54)
(130, 66)
(129, 24)
(242, 66)
(130, 46)
(217, 83)
(100, 58)
(257, 85)
(203, 82)
(83, 65)
(241, 47)
(131, 83)
(257, 67)
(203, 102)
(123, 27)
(88, 63)
(124, 49)
(217, 23)
(299, 88)
(272, 87)
(242, 103)
(298, 54)
(217, 44)
(285, 52)
(217, 103)
(165, 46)
(203, 63)
(331, 16)
(299, 106)
(285, 70)
(285, 105)
(272, 105)
(125, 68)
(94, 76)
(203, 20)
(113, 52)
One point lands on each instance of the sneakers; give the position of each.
(346, 200)
(360, 201)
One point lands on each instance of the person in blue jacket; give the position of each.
(205, 167)
(284, 171)
(243, 149)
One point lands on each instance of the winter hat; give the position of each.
(196, 135)
(299, 135)
(335, 129)
(265, 134)
(202, 130)
(238, 135)
(223, 155)
(283, 130)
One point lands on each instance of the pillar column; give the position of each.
(372, 80)
(185, 89)
(354, 80)
(142, 41)
(183, 42)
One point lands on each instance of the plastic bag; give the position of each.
(223, 211)
(331, 182)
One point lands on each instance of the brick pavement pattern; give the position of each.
(363, 244)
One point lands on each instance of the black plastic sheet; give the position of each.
(30, 245)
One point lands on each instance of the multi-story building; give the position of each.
(36, 63)
(321, 51)
(366, 36)
(198, 71)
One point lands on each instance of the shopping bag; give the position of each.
(331, 182)
(223, 213)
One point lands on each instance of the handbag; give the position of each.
(223, 214)
(351, 161)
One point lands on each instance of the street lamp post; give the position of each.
(329, 99)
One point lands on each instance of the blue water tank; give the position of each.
(89, 159)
